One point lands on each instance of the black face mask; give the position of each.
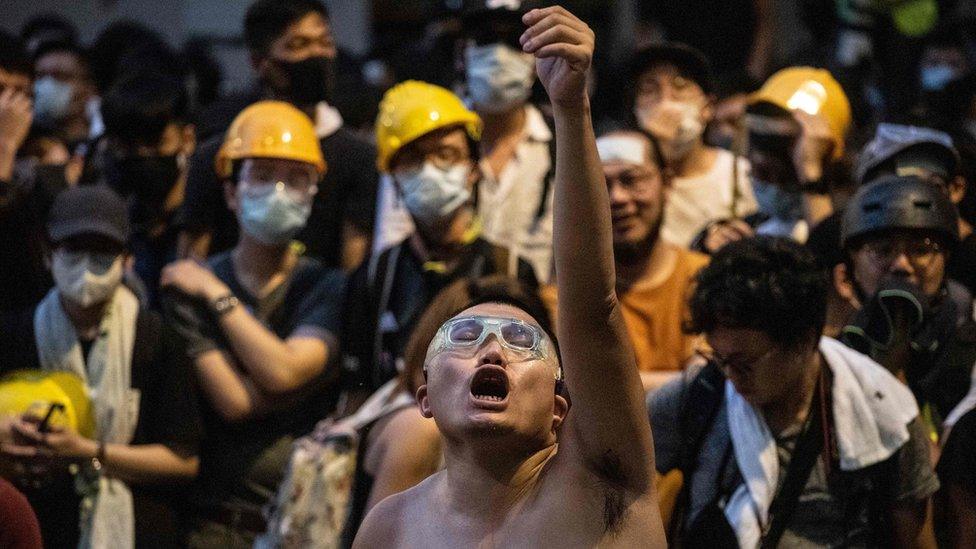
(148, 178)
(310, 80)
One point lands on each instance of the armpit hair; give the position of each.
(613, 481)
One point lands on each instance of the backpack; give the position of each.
(315, 498)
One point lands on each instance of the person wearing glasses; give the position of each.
(261, 323)
(522, 468)
(898, 234)
(786, 438)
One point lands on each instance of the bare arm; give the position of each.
(608, 420)
(148, 463)
(276, 366)
(230, 390)
(912, 524)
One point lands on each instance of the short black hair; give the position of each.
(114, 45)
(47, 27)
(266, 20)
(688, 61)
(768, 284)
(140, 105)
(13, 55)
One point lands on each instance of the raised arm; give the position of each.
(608, 421)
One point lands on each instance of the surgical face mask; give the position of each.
(776, 202)
(935, 77)
(686, 135)
(52, 99)
(499, 77)
(272, 214)
(86, 278)
(310, 80)
(432, 194)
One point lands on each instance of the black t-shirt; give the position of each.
(346, 195)
(168, 415)
(958, 462)
(962, 263)
(242, 463)
(384, 304)
(24, 203)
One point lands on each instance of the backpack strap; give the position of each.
(699, 405)
(540, 212)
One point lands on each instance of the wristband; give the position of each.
(224, 304)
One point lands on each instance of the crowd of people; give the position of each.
(739, 311)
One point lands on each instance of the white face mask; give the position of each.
(86, 278)
(432, 194)
(52, 98)
(271, 214)
(689, 126)
(499, 76)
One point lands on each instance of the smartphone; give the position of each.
(44, 426)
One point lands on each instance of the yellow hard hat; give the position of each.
(269, 129)
(34, 391)
(413, 109)
(814, 91)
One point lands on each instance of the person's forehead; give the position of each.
(445, 137)
(58, 60)
(620, 167)
(311, 25)
(276, 164)
(501, 310)
(737, 341)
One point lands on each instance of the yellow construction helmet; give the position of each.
(34, 391)
(269, 129)
(413, 109)
(814, 91)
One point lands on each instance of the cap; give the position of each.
(690, 62)
(930, 149)
(88, 210)
(894, 202)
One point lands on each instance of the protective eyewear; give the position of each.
(725, 363)
(465, 335)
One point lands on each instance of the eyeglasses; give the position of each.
(919, 251)
(724, 363)
(465, 335)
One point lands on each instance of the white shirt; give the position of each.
(693, 202)
(507, 204)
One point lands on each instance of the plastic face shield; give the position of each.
(463, 336)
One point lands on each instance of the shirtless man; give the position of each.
(521, 471)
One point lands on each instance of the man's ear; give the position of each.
(423, 402)
(957, 189)
(708, 111)
(560, 407)
(844, 285)
(230, 195)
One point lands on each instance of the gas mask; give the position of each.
(499, 77)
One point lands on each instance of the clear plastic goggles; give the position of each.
(463, 337)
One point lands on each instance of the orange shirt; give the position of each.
(655, 314)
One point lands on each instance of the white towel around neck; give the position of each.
(107, 519)
(871, 413)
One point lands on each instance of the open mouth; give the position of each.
(490, 384)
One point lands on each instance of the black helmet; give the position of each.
(893, 202)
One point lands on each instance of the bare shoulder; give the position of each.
(409, 424)
(387, 522)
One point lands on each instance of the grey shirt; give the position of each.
(844, 508)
